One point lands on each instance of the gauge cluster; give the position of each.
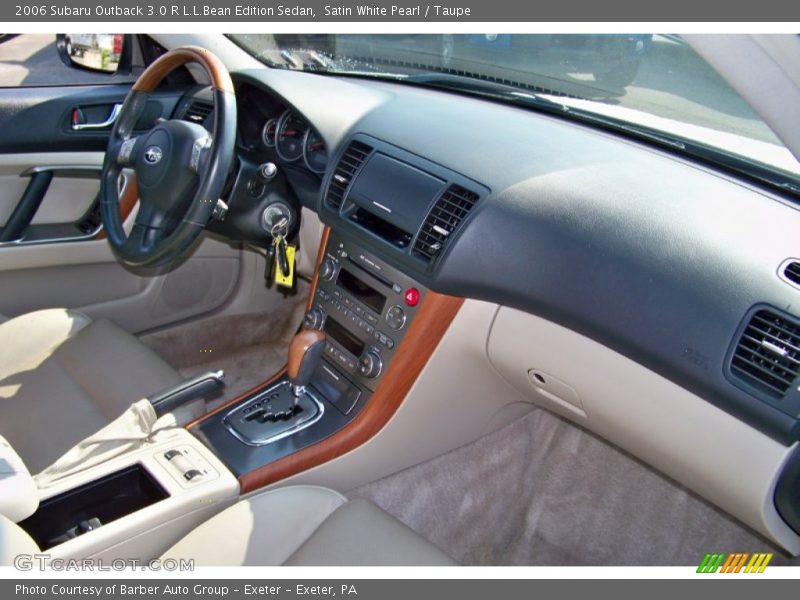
(294, 139)
(267, 127)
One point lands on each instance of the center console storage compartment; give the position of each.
(92, 505)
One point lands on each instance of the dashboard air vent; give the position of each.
(351, 161)
(447, 213)
(197, 112)
(767, 355)
(792, 271)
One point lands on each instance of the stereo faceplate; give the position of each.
(365, 306)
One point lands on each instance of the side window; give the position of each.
(34, 59)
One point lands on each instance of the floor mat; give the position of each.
(544, 492)
(248, 347)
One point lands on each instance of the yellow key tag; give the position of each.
(288, 280)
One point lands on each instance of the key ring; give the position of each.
(280, 228)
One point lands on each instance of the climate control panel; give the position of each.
(365, 307)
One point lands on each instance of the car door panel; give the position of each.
(41, 118)
(43, 269)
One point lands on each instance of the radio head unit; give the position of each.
(365, 307)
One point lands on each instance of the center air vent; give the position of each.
(351, 161)
(197, 112)
(443, 219)
(767, 355)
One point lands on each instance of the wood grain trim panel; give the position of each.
(155, 73)
(127, 202)
(435, 314)
(323, 242)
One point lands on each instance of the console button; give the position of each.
(412, 296)
(372, 319)
(384, 339)
(192, 474)
(396, 317)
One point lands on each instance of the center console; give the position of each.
(365, 308)
(133, 506)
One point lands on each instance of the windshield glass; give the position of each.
(654, 81)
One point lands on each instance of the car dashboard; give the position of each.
(677, 267)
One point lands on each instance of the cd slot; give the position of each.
(378, 277)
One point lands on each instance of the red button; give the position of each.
(412, 296)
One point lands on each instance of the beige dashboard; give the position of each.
(483, 375)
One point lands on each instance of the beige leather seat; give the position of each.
(301, 525)
(64, 376)
(305, 525)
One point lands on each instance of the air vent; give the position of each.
(349, 164)
(792, 272)
(197, 112)
(767, 355)
(443, 219)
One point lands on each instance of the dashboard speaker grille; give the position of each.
(443, 219)
(767, 355)
(351, 161)
(197, 112)
(792, 272)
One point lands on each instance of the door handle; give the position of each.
(112, 117)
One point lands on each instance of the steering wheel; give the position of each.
(180, 168)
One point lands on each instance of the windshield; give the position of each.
(654, 81)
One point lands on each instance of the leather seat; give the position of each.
(306, 526)
(299, 526)
(64, 376)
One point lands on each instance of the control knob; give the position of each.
(327, 270)
(267, 172)
(370, 365)
(314, 319)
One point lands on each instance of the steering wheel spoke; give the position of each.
(125, 152)
(173, 189)
(200, 150)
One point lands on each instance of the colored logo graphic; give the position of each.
(738, 562)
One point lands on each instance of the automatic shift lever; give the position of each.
(305, 352)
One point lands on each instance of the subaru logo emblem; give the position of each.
(152, 154)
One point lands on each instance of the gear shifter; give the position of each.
(305, 352)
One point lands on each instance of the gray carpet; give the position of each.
(544, 492)
(248, 347)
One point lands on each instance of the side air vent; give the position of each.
(197, 112)
(792, 271)
(443, 219)
(351, 161)
(767, 355)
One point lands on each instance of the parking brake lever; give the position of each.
(195, 388)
